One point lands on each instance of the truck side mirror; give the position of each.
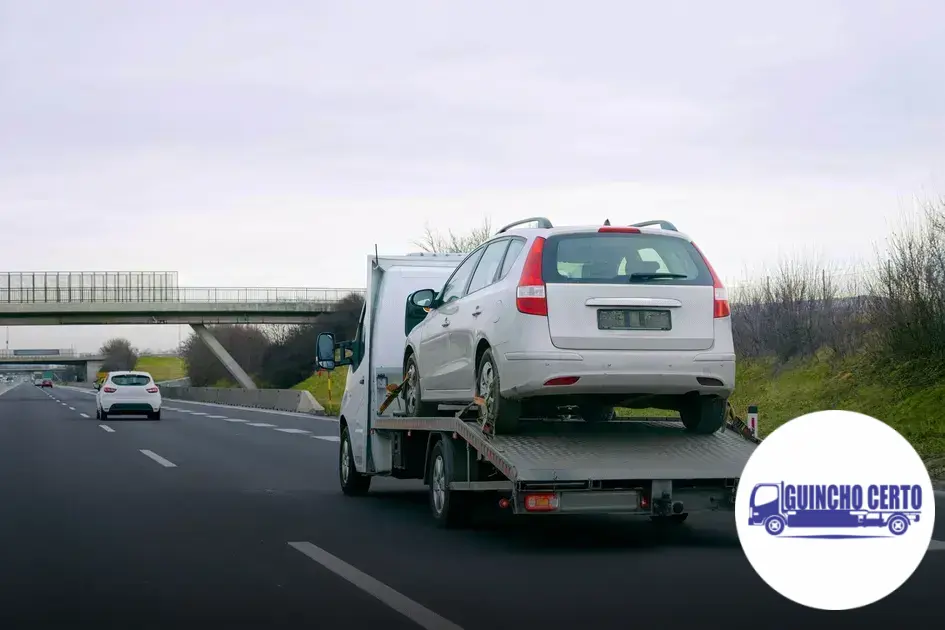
(325, 351)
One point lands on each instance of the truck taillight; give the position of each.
(152, 390)
(720, 306)
(530, 295)
(544, 502)
(109, 390)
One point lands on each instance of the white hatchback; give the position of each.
(128, 393)
(551, 321)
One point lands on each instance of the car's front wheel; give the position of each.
(413, 402)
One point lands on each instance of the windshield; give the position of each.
(623, 258)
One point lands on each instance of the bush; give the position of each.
(119, 355)
(246, 344)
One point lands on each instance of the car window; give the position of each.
(128, 380)
(358, 344)
(488, 265)
(623, 258)
(515, 248)
(455, 287)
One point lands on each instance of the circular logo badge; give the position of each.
(835, 510)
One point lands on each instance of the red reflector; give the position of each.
(541, 502)
(109, 390)
(644, 502)
(152, 390)
(503, 503)
(563, 380)
(616, 229)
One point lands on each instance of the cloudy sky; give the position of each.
(247, 143)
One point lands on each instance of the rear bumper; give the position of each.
(131, 408)
(524, 374)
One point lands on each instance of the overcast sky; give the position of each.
(274, 143)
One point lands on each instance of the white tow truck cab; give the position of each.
(646, 467)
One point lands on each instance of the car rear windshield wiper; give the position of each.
(655, 276)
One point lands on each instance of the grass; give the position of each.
(163, 368)
(327, 388)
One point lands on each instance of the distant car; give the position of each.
(130, 394)
(38, 382)
(47, 382)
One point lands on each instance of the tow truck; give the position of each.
(650, 467)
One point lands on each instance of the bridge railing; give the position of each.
(57, 354)
(244, 295)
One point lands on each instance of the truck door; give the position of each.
(765, 501)
(354, 400)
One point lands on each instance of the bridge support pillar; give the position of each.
(225, 358)
(92, 368)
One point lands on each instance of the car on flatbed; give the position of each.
(128, 393)
(550, 320)
(548, 464)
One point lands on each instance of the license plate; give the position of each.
(633, 319)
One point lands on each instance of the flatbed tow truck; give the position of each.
(650, 467)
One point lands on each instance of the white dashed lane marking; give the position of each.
(327, 438)
(234, 420)
(260, 424)
(84, 415)
(106, 428)
(218, 417)
(293, 431)
(158, 458)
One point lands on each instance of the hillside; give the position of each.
(162, 368)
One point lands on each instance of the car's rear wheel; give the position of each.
(703, 414)
(102, 415)
(413, 403)
(155, 415)
(502, 413)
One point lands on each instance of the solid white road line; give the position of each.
(259, 424)
(420, 615)
(293, 430)
(106, 428)
(327, 438)
(84, 415)
(158, 458)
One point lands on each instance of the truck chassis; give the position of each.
(643, 466)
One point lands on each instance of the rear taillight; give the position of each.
(616, 229)
(542, 502)
(109, 390)
(530, 294)
(721, 307)
(152, 390)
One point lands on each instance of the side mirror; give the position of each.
(423, 298)
(325, 351)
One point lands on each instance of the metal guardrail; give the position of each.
(129, 294)
(62, 354)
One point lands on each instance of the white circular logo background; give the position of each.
(834, 568)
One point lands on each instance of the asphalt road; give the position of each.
(221, 517)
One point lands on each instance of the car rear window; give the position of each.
(131, 379)
(595, 258)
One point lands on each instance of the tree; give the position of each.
(119, 355)
(452, 243)
(246, 344)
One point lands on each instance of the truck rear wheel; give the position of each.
(703, 414)
(353, 483)
(413, 404)
(450, 509)
(502, 413)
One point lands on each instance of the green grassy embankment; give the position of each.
(162, 368)
(787, 391)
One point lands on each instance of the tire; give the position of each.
(596, 412)
(775, 525)
(155, 415)
(102, 415)
(898, 525)
(98, 413)
(412, 395)
(450, 509)
(703, 414)
(503, 413)
(353, 483)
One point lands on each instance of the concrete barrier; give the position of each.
(299, 401)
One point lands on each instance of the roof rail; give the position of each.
(664, 225)
(542, 223)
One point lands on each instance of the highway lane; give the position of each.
(107, 533)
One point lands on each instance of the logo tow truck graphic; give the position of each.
(781, 506)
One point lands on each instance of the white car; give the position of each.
(128, 393)
(546, 321)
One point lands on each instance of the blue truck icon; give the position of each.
(777, 506)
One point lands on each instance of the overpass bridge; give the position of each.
(37, 360)
(154, 297)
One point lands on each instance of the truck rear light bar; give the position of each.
(544, 502)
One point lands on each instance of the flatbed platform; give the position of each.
(575, 451)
